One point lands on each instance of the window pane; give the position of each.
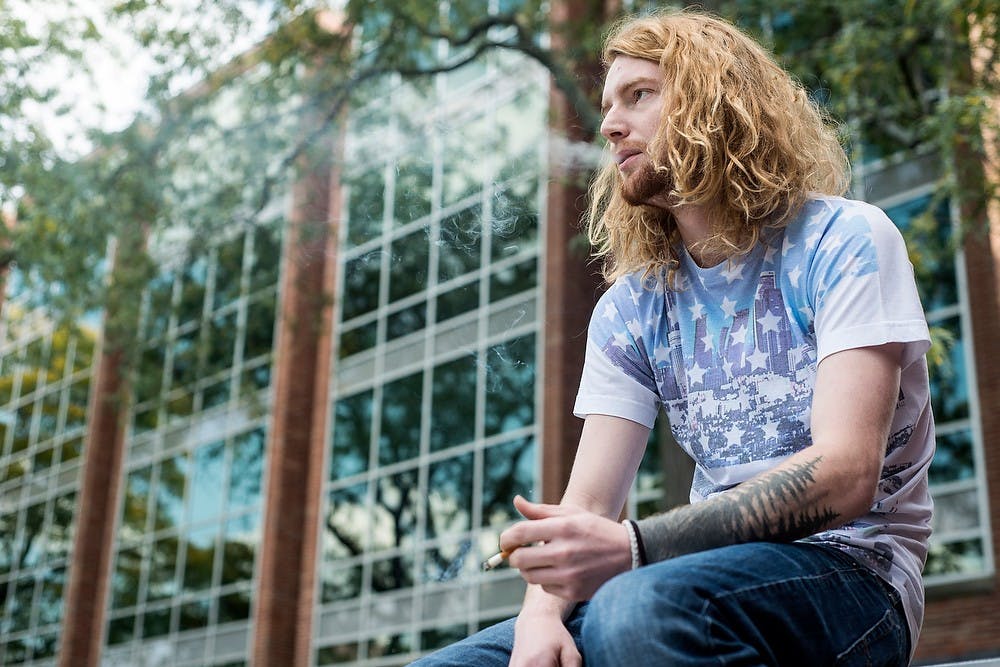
(400, 435)
(205, 494)
(340, 583)
(394, 518)
(510, 385)
(460, 243)
(199, 559)
(352, 431)
(449, 496)
(406, 321)
(260, 326)
(413, 189)
(239, 547)
(457, 301)
(156, 623)
(365, 205)
(953, 458)
(508, 470)
(358, 339)
(170, 491)
(408, 266)
(247, 467)
(949, 379)
(392, 574)
(234, 607)
(162, 566)
(955, 558)
(228, 272)
(125, 580)
(360, 293)
(346, 523)
(514, 280)
(453, 405)
(515, 218)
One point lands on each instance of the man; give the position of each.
(779, 327)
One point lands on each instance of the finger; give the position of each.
(525, 533)
(570, 657)
(530, 510)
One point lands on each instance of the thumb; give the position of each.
(530, 510)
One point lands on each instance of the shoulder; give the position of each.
(826, 220)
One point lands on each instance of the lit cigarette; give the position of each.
(495, 560)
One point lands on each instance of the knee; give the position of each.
(636, 615)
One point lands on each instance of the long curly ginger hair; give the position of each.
(737, 135)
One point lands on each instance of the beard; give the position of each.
(646, 184)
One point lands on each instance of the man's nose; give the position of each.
(612, 127)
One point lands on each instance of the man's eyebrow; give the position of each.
(627, 85)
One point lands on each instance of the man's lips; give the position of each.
(623, 157)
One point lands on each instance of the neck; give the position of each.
(694, 224)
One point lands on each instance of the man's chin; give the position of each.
(645, 188)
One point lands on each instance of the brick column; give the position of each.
(97, 504)
(572, 285)
(284, 600)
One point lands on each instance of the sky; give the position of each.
(109, 96)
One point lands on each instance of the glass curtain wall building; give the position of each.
(45, 380)
(433, 410)
(434, 401)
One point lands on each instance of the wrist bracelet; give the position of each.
(643, 559)
(633, 542)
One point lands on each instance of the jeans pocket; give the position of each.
(885, 644)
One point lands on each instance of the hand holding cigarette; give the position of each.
(574, 550)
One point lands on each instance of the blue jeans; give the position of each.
(799, 605)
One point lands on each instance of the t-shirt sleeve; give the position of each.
(617, 378)
(863, 289)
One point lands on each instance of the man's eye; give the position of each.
(640, 93)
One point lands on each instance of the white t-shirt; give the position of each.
(731, 356)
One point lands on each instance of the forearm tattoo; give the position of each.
(779, 506)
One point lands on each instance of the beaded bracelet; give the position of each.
(635, 544)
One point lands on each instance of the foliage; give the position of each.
(227, 123)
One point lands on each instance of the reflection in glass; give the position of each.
(234, 606)
(394, 517)
(515, 218)
(125, 579)
(931, 249)
(953, 458)
(193, 615)
(221, 342)
(449, 496)
(352, 431)
(389, 645)
(170, 491)
(199, 559)
(453, 403)
(392, 573)
(266, 257)
(228, 271)
(247, 467)
(459, 243)
(346, 523)
(406, 321)
(399, 439)
(121, 629)
(510, 385)
(508, 470)
(207, 477)
(460, 300)
(340, 583)
(239, 547)
(955, 558)
(360, 293)
(365, 204)
(156, 623)
(514, 280)
(408, 265)
(413, 189)
(435, 638)
(259, 336)
(162, 581)
(949, 380)
(357, 339)
(955, 511)
(337, 654)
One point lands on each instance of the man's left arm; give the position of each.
(827, 484)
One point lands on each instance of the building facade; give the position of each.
(300, 480)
